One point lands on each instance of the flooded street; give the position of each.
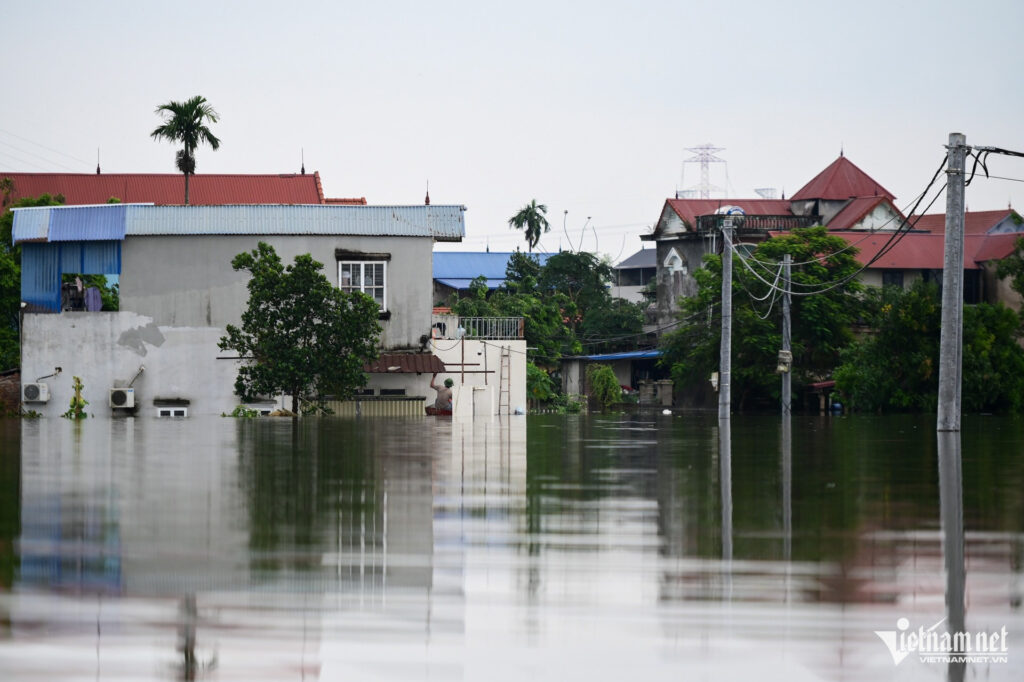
(538, 548)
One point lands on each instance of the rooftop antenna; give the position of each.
(767, 192)
(426, 201)
(97, 160)
(303, 152)
(705, 156)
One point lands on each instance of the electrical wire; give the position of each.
(891, 243)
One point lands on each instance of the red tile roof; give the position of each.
(854, 211)
(841, 180)
(926, 251)
(975, 222)
(361, 201)
(690, 209)
(405, 363)
(169, 189)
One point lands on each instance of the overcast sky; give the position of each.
(586, 107)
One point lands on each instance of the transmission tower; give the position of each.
(705, 156)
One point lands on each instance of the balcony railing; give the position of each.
(756, 224)
(455, 327)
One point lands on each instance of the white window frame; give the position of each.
(362, 279)
(171, 411)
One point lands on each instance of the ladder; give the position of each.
(504, 381)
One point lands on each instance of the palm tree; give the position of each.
(531, 220)
(185, 122)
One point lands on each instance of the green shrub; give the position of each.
(604, 386)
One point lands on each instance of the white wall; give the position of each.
(478, 356)
(106, 349)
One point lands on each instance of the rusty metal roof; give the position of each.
(169, 189)
(841, 180)
(405, 363)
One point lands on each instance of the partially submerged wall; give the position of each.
(107, 349)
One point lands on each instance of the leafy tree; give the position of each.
(521, 272)
(300, 334)
(897, 367)
(538, 383)
(820, 323)
(185, 122)
(532, 220)
(604, 386)
(1013, 266)
(616, 325)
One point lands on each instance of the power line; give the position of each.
(43, 146)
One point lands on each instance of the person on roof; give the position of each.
(444, 393)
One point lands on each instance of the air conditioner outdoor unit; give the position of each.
(122, 397)
(35, 393)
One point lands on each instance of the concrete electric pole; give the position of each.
(951, 341)
(786, 356)
(725, 351)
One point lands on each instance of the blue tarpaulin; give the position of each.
(43, 264)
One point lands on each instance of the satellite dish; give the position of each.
(730, 210)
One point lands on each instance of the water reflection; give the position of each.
(560, 546)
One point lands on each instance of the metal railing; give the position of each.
(449, 326)
(757, 224)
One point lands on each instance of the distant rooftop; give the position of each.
(169, 189)
(644, 258)
(116, 221)
(457, 269)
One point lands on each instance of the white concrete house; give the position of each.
(178, 292)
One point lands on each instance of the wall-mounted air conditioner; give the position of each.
(122, 397)
(35, 393)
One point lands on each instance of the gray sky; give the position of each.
(587, 107)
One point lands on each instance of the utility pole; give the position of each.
(725, 352)
(951, 341)
(786, 356)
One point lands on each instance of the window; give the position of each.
(392, 391)
(172, 411)
(369, 277)
(892, 278)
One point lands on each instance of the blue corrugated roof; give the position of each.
(88, 223)
(464, 282)
(470, 264)
(630, 355)
(444, 223)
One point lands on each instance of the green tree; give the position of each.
(300, 334)
(185, 122)
(604, 386)
(1013, 265)
(820, 323)
(532, 220)
(896, 368)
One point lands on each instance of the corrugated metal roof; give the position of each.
(169, 189)
(405, 363)
(30, 225)
(464, 282)
(471, 264)
(628, 355)
(975, 222)
(644, 258)
(439, 222)
(83, 223)
(689, 209)
(841, 180)
(853, 212)
(926, 251)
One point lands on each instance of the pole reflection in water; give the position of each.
(787, 500)
(952, 518)
(725, 477)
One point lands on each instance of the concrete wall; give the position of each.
(633, 294)
(478, 356)
(673, 285)
(107, 349)
(881, 217)
(189, 282)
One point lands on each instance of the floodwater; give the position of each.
(537, 548)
